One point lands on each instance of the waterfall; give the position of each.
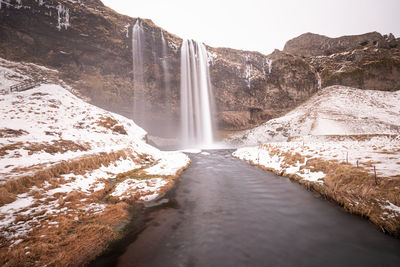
(138, 73)
(164, 65)
(319, 81)
(196, 123)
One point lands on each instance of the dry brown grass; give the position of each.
(6, 132)
(59, 146)
(80, 235)
(72, 243)
(139, 174)
(370, 163)
(6, 197)
(4, 149)
(53, 106)
(78, 166)
(110, 123)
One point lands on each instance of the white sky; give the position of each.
(263, 25)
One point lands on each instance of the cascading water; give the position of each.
(168, 114)
(164, 64)
(196, 123)
(319, 81)
(139, 108)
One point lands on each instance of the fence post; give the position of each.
(376, 178)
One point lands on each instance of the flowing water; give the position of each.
(138, 42)
(164, 64)
(196, 123)
(169, 128)
(229, 213)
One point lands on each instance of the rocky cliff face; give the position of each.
(91, 47)
(310, 44)
(367, 68)
(251, 88)
(367, 61)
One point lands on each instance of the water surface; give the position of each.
(230, 213)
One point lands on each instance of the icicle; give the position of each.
(319, 81)
(62, 17)
(269, 63)
(127, 29)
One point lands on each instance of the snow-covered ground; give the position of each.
(335, 110)
(381, 152)
(340, 126)
(49, 128)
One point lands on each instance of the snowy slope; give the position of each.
(335, 110)
(344, 143)
(61, 144)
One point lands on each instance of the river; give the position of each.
(229, 213)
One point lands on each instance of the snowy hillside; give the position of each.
(344, 143)
(64, 160)
(335, 110)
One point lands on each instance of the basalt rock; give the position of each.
(310, 44)
(370, 68)
(91, 47)
(251, 88)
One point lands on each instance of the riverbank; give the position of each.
(69, 172)
(225, 212)
(74, 228)
(360, 173)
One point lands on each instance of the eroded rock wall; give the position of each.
(91, 47)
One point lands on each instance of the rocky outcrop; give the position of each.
(370, 68)
(310, 44)
(91, 47)
(367, 61)
(251, 88)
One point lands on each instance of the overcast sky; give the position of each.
(263, 25)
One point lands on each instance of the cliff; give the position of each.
(91, 47)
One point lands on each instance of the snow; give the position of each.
(49, 115)
(148, 189)
(361, 127)
(50, 108)
(390, 206)
(168, 165)
(126, 28)
(326, 126)
(62, 17)
(335, 110)
(21, 203)
(269, 63)
(383, 152)
(262, 157)
(319, 81)
(9, 77)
